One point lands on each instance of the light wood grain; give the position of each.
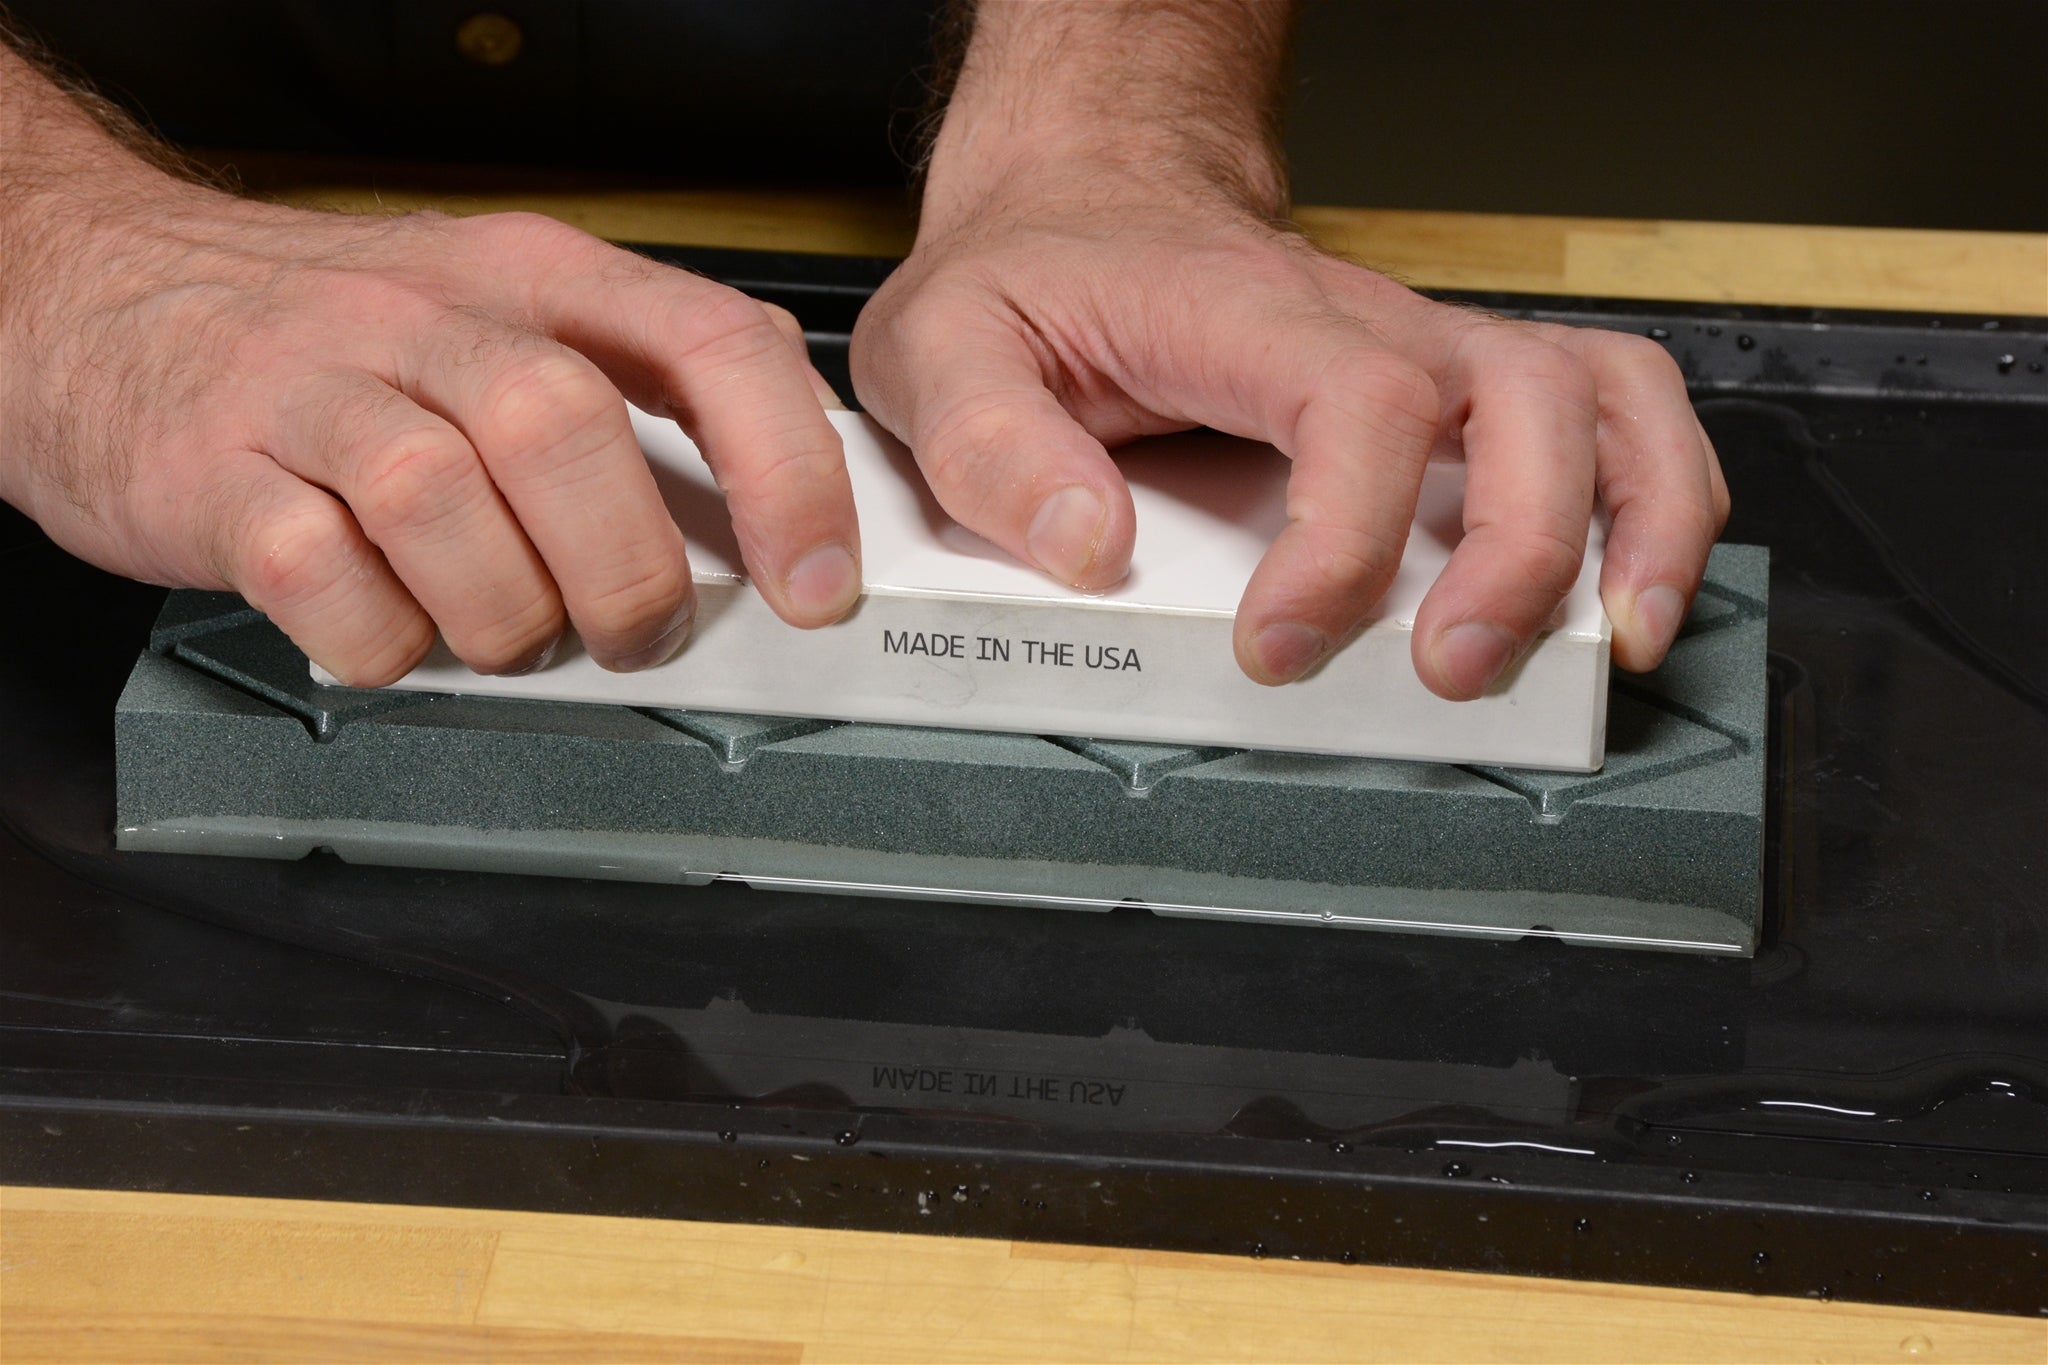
(96, 1276)
(1709, 262)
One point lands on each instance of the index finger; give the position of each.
(1529, 455)
(717, 362)
(1362, 423)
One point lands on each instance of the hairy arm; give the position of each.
(1180, 96)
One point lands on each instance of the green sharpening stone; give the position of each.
(225, 745)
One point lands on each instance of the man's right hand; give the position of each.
(373, 427)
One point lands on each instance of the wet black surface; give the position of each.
(1862, 1111)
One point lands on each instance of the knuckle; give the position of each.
(787, 469)
(645, 601)
(1628, 354)
(543, 396)
(1550, 367)
(393, 653)
(525, 233)
(293, 558)
(1351, 559)
(418, 477)
(923, 322)
(960, 444)
(1390, 391)
(511, 638)
(1542, 360)
(1548, 557)
(721, 321)
(1701, 522)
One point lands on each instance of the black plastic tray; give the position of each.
(1861, 1111)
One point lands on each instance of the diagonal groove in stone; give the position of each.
(1717, 608)
(1651, 742)
(323, 722)
(1538, 799)
(1749, 608)
(1140, 767)
(1552, 803)
(1743, 740)
(735, 739)
(191, 615)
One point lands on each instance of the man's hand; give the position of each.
(1097, 261)
(373, 427)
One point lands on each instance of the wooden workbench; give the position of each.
(94, 1276)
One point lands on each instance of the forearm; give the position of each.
(1181, 96)
(76, 177)
(61, 146)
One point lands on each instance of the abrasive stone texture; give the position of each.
(225, 745)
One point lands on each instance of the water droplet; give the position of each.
(1582, 1225)
(1760, 1260)
(1713, 331)
(1659, 334)
(1340, 1147)
(1824, 1294)
(1691, 1177)
(1258, 1251)
(959, 1194)
(1347, 1257)
(762, 1164)
(1917, 1345)
(2033, 367)
(1456, 1168)
(1991, 326)
(2006, 362)
(846, 1137)
(1928, 1195)
(1745, 342)
(1674, 1140)
(728, 1136)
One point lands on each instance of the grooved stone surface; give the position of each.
(225, 746)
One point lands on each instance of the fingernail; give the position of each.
(1288, 649)
(533, 663)
(665, 647)
(824, 583)
(1064, 535)
(1470, 656)
(1659, 611)
(828, 397)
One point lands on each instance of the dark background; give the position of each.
(1900, 113)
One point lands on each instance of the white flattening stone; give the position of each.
(952, 632)
(225, 745)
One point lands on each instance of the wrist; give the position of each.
(1171, 104)
(977, 169)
